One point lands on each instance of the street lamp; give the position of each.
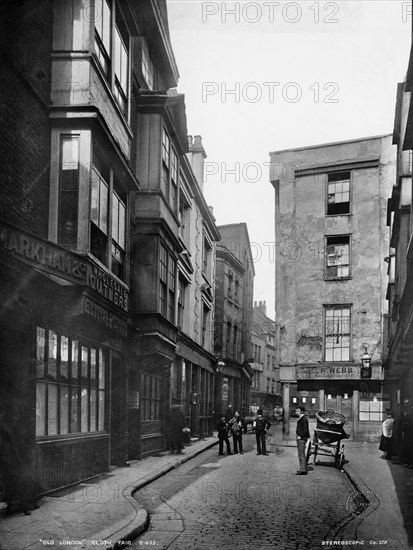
(365, 365)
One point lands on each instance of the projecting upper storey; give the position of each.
(105, 52)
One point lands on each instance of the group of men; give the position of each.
(235, 426)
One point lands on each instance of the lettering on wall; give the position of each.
(42, 254)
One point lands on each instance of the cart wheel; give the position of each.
(315, 452)
(308, 454)
(337, 456)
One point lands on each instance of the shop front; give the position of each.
(63, 326)
(342, 388)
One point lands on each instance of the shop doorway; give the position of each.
(307, 399)
(342, 402)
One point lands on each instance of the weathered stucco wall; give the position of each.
(300, 228)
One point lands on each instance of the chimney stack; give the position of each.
(196, 156)
(261, 307)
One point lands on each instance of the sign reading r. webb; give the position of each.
(336, 372)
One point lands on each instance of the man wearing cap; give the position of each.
(261, 426)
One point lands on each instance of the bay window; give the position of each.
(113, 56)
(167, 284)
(148, 67)
(102, 21)
(108, 219)
(170, 167)
(121, 71)
(68, 190)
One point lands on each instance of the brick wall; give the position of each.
(26, 32)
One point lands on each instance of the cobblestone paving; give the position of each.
(245, 502)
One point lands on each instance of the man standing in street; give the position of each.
(237, 427)
(223, 436)
(261, 426)
(303, 434)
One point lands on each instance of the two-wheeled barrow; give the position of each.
(328, 436)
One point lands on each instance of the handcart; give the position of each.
(328, 436)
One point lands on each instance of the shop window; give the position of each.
(68, 191)
(371, 410)
(167, 279)
(337, 334)
(338, 193)
(70, 388)
(151, 397)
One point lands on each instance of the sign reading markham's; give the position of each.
(52, 259)
(319, 372)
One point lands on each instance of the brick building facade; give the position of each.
(106, 242)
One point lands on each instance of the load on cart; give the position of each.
(328, 436)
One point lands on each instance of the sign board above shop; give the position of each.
(51, 259)
(335, 372)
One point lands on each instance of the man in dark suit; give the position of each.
(303, 434)
(222, 428)
(261, 426)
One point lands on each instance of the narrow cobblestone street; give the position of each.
(246, 501)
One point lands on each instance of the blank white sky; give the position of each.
(331, 70)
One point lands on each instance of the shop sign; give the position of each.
(101, 282)
(105, 317)
(42, 254)
(319, 372)
(52, 259)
